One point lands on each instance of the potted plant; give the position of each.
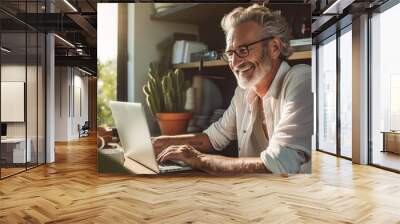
(166, 97)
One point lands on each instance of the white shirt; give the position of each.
(288, 112)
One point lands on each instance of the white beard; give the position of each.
(256, 73)
(255, 78)
(245, 83)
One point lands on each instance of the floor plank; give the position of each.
(71, 191)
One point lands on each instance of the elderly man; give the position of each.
(271, 113)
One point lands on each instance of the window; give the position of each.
(385, 87)
(327, 95)
(394, 118)
(346, 92)
(107, 16)
(22, 77)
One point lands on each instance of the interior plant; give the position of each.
(166, 98)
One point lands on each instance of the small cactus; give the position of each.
(165, 93)
(152, 90)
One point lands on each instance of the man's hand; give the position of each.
(212, 164)
(184, 153)
(200, 141)
(160, 143)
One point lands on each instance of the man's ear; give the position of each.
(275, 48)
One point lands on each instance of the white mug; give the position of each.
(103, 143)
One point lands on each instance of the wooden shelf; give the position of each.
(213, 63)
(299, 55)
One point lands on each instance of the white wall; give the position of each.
(79, 117)
(61, 103)
(146, 35)
(34, 124)
(67, 115)
(11, 73)
(16, 73)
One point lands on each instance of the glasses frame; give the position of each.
(226, 58)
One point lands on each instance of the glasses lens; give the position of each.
(242, 52)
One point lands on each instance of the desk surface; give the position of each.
(113, 159)
(390, 132)
(135, 168)
(13, 140)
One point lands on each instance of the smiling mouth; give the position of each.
(244, 71)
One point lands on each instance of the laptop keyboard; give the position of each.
(171, 166)
(174, 163)
(167, 163)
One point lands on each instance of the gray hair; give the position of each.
(272, 22)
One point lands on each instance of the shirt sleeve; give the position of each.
(290, 145)
(280, 159)
(223, 131)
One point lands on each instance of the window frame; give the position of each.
(339, 32)
(379, 10)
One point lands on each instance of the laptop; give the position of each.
(134, 136)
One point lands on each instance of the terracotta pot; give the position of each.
(173, 123)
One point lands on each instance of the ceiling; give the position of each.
(72, 20)
(332, 15)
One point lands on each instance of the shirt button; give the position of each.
(244, 131)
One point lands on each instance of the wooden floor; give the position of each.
(387, 159)
(71, 191)
(10, 171)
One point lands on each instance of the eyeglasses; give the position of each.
(242, 51)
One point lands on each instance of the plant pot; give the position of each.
(173, 123)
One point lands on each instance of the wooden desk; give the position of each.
(113, 160)
(391, 141)
(13, 150)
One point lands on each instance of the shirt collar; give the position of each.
(275, 87)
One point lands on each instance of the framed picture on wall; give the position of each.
(12, 101)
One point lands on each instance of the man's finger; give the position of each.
(161, 158)
(169, 155)
(162, 153)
